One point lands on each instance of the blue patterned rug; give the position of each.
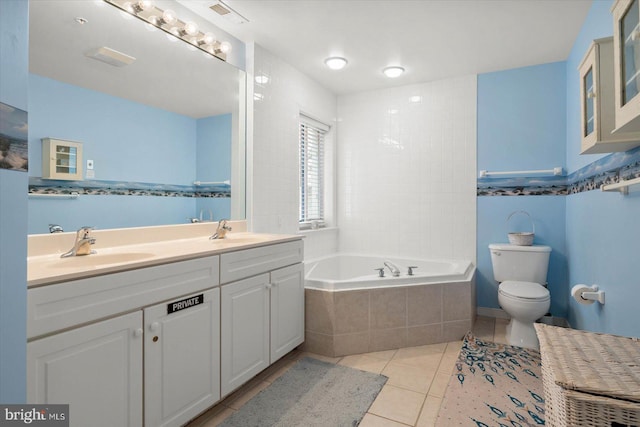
(494, 385)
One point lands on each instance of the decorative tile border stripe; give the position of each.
(522, 186)
(124, 188)
(613, 168)
(607, 170)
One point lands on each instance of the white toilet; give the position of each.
(521, 272)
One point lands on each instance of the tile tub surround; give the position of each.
(341, 323)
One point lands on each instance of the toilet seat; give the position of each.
(527, 291)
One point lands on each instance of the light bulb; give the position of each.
(141, 5)
(128, 7)
(190, 28)
(169, 17)
(207, 39)
(393, 71)
(336, 62)
(225, 47)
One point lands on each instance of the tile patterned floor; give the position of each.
(418, 377)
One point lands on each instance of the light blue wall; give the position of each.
(14, 45)
(603, 232)
(126, 140)
(213, 162)
(521, 126)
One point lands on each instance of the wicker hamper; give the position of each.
(589, 379)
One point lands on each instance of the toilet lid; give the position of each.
(526, 290)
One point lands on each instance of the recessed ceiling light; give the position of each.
(393, 71)
(336, 62)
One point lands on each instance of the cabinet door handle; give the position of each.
(154, 326)
(138, 332)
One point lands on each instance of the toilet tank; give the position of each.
(522, 263)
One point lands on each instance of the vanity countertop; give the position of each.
(48, 268)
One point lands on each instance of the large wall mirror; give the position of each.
(162, 128)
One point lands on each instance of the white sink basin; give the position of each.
(240, 239)
(101, 259)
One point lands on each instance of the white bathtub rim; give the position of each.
(388, 281)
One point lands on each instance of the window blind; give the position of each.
(312, 136)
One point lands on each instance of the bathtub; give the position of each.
(350, 310)
(344, 272)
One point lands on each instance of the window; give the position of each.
(312, 183)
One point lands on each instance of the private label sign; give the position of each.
(175, 306)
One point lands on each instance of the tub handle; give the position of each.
(410, 272)
(380, 271)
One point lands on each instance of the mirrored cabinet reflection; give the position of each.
(61, 159)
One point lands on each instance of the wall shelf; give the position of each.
(623, 186)
(73, 195)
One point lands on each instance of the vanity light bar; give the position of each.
(167, 21)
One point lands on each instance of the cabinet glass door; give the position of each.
(588, 100)
(66, 159)
(630, 37)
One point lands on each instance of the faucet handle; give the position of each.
(55, 228)
(380, 271)
(410, 272)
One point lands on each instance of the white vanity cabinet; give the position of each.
(181, 358)
(626, 46)
(158, 345)
(262, 313)
(597, 103)
(244, 331)
(102, 368)
(96, 369)
(287, 310)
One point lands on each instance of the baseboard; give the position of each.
(496, 313)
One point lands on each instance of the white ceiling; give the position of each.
(432, 39)
(165, 74)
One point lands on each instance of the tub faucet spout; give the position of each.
(395, 271)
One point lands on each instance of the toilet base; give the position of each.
(522, 334)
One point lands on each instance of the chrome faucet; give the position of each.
(221, 231)
(83, 243)
(395, 271)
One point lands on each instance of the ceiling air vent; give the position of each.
(110, 56)
(228, 13)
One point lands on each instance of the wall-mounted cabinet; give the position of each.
(597, 103)
(61, 159)
(626, 45)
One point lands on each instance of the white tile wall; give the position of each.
(407, 171)
(275, 146)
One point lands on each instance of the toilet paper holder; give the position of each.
(589, 293)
